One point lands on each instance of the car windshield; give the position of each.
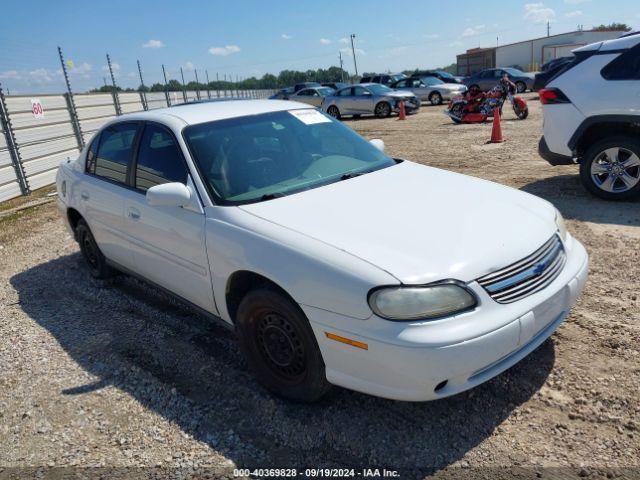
(514, 72)
(379, 89)
(445, 74)
(260, 157)
(432, 81)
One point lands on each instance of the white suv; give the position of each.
(592, 117)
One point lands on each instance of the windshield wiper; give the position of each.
(349, 175)
(271, 196)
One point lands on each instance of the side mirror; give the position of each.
(378, 143)
(174, 194)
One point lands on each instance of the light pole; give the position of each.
(341, 69)
(353, 51)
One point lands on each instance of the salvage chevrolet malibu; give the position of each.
(334, 263)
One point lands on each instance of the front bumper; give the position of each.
(410, 106)
(551, 157)
(407, 361)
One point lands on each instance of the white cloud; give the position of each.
(188, 66)
(80, 70)
(153, 44)
(538, 13)
(575, 13)
(347, 51)
(41, 75)
(344, 40)
(224, 51)
(10, 75)
(471, 31)
(286, 37)
(325, 41)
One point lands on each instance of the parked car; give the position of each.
(591, 117)
(369, 99)
(487, 79)
(280, 222)
(383, 79)
(542, 78)
(312, 96)
(446, 77)
(282, 94)
(430, 89)
(299, 86)
(335, 85)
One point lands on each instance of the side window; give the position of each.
(345, 92)
(159, 159)
(625, 66)
(92, 154)
(401, 84)
(114, 152)
(360, 91)
(304, 93)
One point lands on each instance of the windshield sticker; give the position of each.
(310, 117)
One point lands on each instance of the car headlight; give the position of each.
(424, 302)
(562, 228)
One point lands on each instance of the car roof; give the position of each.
(208, 111)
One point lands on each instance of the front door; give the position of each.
(362, 100)
(168, 243)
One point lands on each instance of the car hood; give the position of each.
(400, 94)
(419, 224)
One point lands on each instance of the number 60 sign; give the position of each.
(36, 108)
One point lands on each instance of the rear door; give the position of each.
(102, 193)
(362, 100)
(168, 243)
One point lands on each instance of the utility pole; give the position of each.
(341, 69)
(353, 51)
(548, 28)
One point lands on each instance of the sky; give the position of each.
(251, 37)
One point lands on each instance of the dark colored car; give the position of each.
(446, 77)
(282, 94)
(542, 78)
(335, 85)
(299, 86)
(384, 78)
(487, 79)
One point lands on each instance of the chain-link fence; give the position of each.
(38, 131)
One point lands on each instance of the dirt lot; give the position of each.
(117, 375)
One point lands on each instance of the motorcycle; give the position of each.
(478, 110)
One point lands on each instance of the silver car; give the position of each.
(369, 99)
(430, 89)
(312, 96)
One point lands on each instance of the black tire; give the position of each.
(605, 184)
(435, 98)
(458, 111)
(521, 114)
(382, 110)
(521, 87)
(334, 112)
(91, 253)
(280, 346)
(474, 85)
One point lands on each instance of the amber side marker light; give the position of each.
(348, 341)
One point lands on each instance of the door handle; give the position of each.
(134, 214)
(84, 196)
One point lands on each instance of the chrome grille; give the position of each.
(528, 276)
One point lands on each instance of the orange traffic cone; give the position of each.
(402, 115)
(496, 130)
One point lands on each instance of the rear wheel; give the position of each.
(382, 110)
(334, 112)
(521, 87)
(610, 168)
(280, 346)
(521, 113)
(91, 253)
(457, 110)
(435, 98)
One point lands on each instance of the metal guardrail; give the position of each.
(32, 144)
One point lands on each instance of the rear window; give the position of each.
(625, 66)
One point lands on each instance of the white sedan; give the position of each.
(335, 263)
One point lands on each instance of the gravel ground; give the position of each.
(117, 375)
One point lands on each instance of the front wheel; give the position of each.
(91, 253)
(610, 168)
(521, 113)
(280, 346)
(521, 87)
(382, 110)
(334, 112)
(435, 98)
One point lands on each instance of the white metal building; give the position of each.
(530, 54)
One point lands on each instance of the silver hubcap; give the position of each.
(616, 170)
(435, 98)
